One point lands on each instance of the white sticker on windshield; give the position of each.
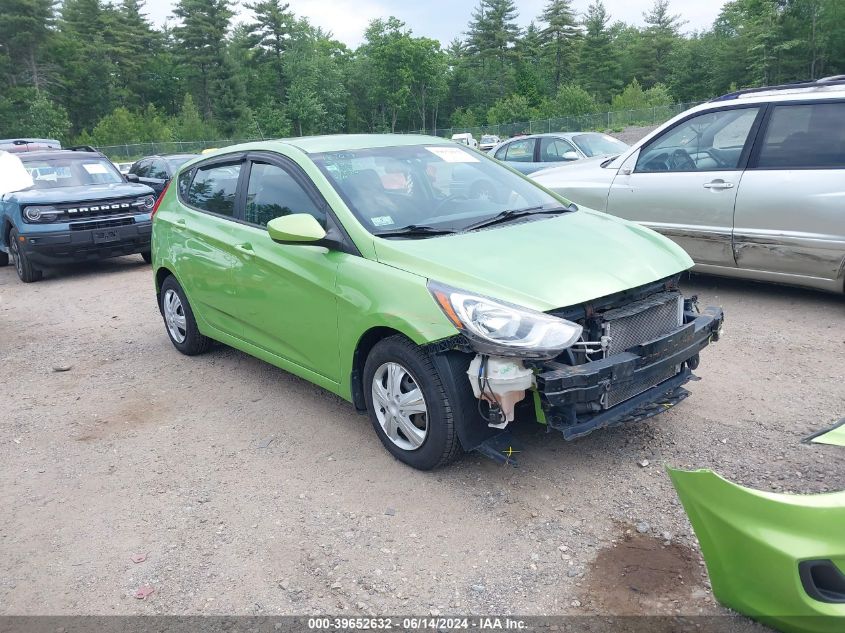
(452, 154)
(95, 168)
(382, 220)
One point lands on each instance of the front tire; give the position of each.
(147, 256)
(408, 405)
(179, 319)
(26, 271)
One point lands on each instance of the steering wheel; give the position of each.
(449, 198)
(681, 161)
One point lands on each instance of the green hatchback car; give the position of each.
(437, 290)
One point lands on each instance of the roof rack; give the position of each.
(833, 80)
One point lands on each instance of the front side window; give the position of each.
(553, 150)
(51, 173)
(706, 142)
(521, 151)
(447, 188)
(805, 136)
(273, 192)
(213, 189)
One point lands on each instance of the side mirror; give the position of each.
(570, 155)
(131, 177)
(297, 228)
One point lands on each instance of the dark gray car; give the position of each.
(156, 171)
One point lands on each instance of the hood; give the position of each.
(545, 263)
(84, 193)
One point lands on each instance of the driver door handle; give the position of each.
(245, 248)
(718, 184)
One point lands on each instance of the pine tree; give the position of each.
(599, 69)
(270, 36)
(201, 39)
(560, 38)
(492, 35)
(657, 42)
(25, 27)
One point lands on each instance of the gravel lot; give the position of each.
(249, 491)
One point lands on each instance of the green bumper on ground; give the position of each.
(777, 558)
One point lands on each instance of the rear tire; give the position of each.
(408, 405)
(4, 258)
(148, 256)
(179, 319)
(26, 271)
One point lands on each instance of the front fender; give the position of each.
(760, 548)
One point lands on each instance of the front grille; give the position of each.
(100, 224)
(71, 212)
(638, 323)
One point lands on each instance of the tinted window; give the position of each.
(185, 182)
(273, 192)
(803, 136)
(521, 151)
(707, 142)
(141, 168)
(213, 189)
(158, 170)
(553, 149)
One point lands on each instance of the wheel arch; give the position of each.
(366, 343)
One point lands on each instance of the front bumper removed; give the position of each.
(572, 397)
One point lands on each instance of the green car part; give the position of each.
(776, 558)
(834, 436)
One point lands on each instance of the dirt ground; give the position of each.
(245, 490)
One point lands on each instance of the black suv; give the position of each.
(79, 208)
(156, 171)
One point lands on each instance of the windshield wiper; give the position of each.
(607, 162)
(415, 230)
(511, 214)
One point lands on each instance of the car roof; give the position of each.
(791, 91)
(336, 143)
(58, 153)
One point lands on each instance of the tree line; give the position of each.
(98, 72)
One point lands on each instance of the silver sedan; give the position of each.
(538, 151)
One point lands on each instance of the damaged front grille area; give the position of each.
(638, 323)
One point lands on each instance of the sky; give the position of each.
(446, 19)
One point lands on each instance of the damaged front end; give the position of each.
(620, 358)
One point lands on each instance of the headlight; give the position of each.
(503, 329)
(40, 214)
(146, 203)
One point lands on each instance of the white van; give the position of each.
(466, 138)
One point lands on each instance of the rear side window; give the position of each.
(810, 136)
(158, 170)
(273, 192)
(213, 189)
(552, 150)
(521, 151)
(185, 183)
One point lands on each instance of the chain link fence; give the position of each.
(605, 121)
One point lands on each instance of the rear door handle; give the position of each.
(245, 248)
(718, 184)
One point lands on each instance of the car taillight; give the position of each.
(158, 202)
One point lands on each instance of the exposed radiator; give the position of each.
(638, 323)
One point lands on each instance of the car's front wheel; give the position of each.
(26, 271)
(147, 256)
(179, 319)
(408, 405)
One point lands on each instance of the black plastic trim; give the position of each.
(822, 580)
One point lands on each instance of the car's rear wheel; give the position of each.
(179, 319)
(408, 405)
(26, 271)
(4, 258)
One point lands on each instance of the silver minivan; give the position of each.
(751, 184)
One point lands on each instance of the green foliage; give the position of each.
(101, 66)
(635, 98)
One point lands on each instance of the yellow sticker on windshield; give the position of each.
(452, 154)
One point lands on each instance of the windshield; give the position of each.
(65, 171)
(445, 187)
(599, 144)
(489, 139)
